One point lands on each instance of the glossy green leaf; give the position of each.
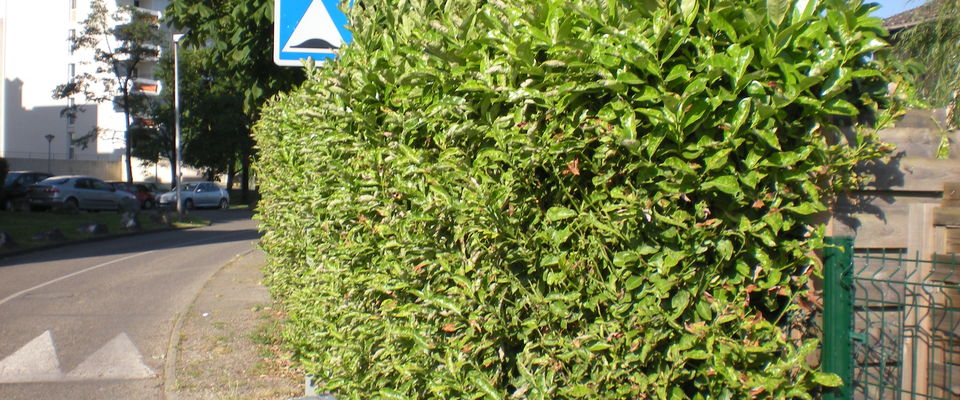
(580, 391)
(689, 9)
(828, 380)
(560, 213)
(777, 10)
(727, 184)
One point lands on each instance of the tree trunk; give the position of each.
(173, 171)
(231, 171)
(172, 156)
(126, 134)
(245, 183)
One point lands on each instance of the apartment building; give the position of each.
(35, 57)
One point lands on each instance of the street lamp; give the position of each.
(49, 138)
(178, 167)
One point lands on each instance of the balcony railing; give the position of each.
(147, 86)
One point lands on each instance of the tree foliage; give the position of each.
(119, 42)
(237, 39)
(935, 45)
(155, 141)
(239, 35)
(215, 130)
(560, 199)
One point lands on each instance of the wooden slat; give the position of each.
(946, 268)
(946, 381)
(951, 191)
(870, 378)
(952, 240)
(877, 220)
(881, 330)
(875, 224)
(920, 142)
(950, 298)
(873, 233)
(912, 174)
(946, 351)
(948, 216)
(922, 119)
(946, 323)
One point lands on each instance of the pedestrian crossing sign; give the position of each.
(308, 28)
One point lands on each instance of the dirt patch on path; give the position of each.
(227, 347)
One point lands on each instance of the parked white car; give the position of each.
(196, 195)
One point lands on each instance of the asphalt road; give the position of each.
(94, 320)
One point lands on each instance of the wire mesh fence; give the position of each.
(903, 322)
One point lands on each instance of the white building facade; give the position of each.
(35, 57)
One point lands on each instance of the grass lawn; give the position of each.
(22, 226)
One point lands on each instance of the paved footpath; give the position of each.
(217, 354)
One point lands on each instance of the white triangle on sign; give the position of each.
(36, 361)
(315, 33)
(118, 359)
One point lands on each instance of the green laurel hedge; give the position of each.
(552, 199)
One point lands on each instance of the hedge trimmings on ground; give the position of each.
(566, 199)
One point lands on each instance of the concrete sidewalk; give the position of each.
(224, 346)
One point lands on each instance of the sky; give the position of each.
(892, 7)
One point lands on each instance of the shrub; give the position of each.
(564, 199)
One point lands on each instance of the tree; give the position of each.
(238, 38)
(120, 42)
(215, 128)
(935, 43)
(153, 141)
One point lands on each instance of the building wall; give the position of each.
(34, 62)
(106, 170)
(35, 57)
(3, 75)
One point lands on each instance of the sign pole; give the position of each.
(178, 165)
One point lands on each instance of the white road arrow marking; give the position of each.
(118, 359)
(37, 361)
(315, 33)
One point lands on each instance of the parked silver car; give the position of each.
(197, 194)
(78, 192)
(13, 195)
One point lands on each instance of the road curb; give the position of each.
(170, 359)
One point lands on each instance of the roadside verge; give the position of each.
(225, 345)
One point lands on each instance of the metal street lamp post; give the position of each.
(49, 138)
(178, 167)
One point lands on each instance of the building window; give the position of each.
(73, 4)
(71, 71)
(71, 37)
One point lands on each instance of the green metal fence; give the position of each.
(891, 324)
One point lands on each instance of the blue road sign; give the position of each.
(308, 28)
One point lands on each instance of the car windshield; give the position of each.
(57, 181)
(10, 179)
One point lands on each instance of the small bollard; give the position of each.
(310, 390)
